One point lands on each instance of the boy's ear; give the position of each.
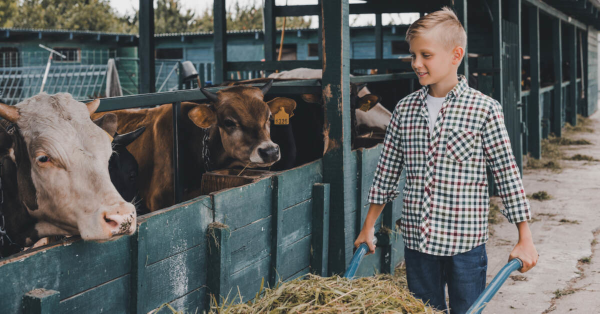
(457, 55)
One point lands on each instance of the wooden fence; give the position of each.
(225, 243)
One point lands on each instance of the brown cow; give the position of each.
(232, 130)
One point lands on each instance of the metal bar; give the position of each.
(496, 7)
(176, 156)
(572, 57)
(146, 46)
(558, 92)
(320, 33)
(162, 64)
(547, 9)
(220, 41)
(546, 89)
(378, 39)
(534, 114)
(381, 77)
(168, 77)
(460, 6)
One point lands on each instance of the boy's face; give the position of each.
(431, 60)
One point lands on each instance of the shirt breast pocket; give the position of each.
(460, 145)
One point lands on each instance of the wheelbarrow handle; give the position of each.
(494, 286)
(361, 251)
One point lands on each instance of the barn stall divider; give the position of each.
(224, 244)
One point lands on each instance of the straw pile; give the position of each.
(314, 294)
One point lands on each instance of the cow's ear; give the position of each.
(203, 116)
(312, 98)
(367, 102)
(281, 102)
(108, 123)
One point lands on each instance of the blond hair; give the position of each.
(444, 24)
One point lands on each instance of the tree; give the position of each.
(168, 17)
(8, 8)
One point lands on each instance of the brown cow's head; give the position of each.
(243, 120)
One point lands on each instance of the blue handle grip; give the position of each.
(355, 262)
(494, 286)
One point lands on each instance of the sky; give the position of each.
(198, 6)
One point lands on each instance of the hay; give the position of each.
(583, 125)
(567, 141)
(540, 196)
(580, 157)
(314, 294)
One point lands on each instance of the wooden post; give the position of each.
(41, 301)
(276, 230)
(270, 32)
(514, 16)
(219, 261)
(558, 95)
(336, 97)
(572, 56)
(320, 230)
(460, 6)
(220, 41)
(320, 33)
(177, 121)
(146, 47)
(533, 107)
(496, 7)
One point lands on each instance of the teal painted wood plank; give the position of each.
(194, 302)
(297, 222)
(174, 277)
(175, 229)
(276, 229)
(250, 244)
(69, 268)
(219, 261)
(299, 274)
(41, 301)
(111, 297)
(243, 205)
(295, 257)
(534, 126)
(557, 57)
(248, 280)
(298, 183)
(320, 230)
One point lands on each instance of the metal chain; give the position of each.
(206, 151)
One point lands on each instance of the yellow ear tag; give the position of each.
(110, 136)
(366, 106)
(282, 117)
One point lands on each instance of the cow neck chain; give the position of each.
(4, 238)
(206, 151)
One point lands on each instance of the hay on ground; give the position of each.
(314, 294)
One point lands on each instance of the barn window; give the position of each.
(169, 53)
(288, 53)
(399, 47)
(9, 57)
(313, 50)
(72, 54)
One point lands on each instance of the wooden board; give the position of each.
(111, 297)
(238, 207)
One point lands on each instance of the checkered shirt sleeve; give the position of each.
(499, 156)
(389, 167)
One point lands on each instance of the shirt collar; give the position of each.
(454, 93)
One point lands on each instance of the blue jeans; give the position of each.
(464, 273)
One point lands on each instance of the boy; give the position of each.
(443, 136)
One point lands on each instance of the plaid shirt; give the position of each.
(446, 200)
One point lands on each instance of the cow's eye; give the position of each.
(229, 123)
(42, 159)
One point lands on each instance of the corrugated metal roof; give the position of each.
(62, 31)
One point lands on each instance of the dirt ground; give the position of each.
(566, 230)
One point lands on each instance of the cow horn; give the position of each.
(266, 87)
(209, 95)
(93, 106)
(128, 138)
(10, 113)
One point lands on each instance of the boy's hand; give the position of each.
(366, 236)
(525, 250)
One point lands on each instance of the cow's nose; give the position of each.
(269, 153)
(121, 219)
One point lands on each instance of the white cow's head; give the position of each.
(62, 169)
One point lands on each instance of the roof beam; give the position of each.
(547, 9)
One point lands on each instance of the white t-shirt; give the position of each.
(434, 104)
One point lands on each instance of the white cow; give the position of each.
(376, 118)
(56, 160)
